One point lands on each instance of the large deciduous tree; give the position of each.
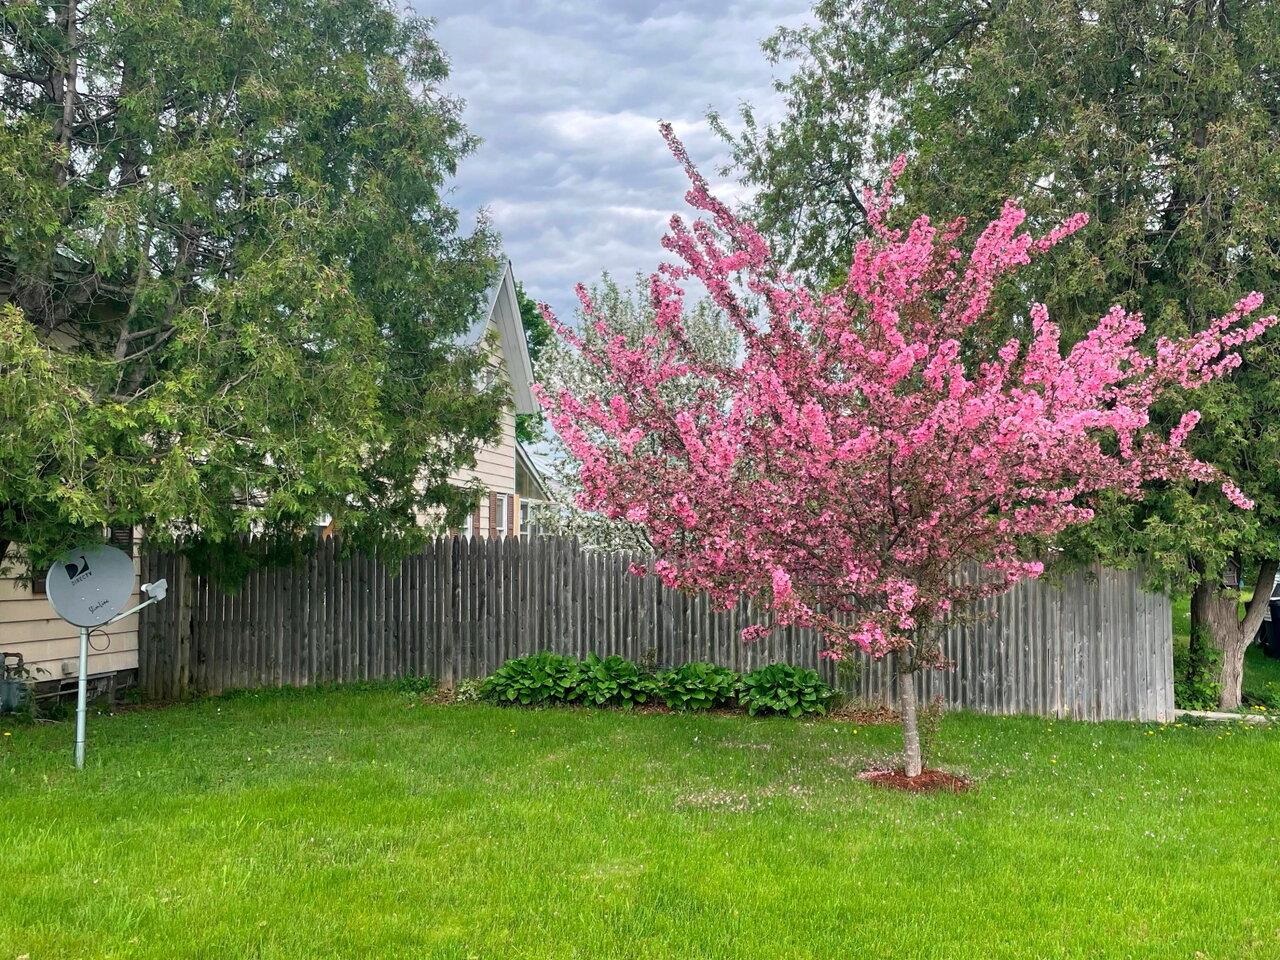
(1159, 119)
(870, 442)
(230, 289)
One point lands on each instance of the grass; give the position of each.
(367, 823)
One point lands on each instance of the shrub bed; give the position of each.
(549, 678)
(784, 689)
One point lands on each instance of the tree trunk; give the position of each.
(1231, 674)
(66, 127)
(1214, 622)
(912, 761)
(1215, 618)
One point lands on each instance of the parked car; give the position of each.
(1269, 633)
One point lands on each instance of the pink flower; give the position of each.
(781, 586)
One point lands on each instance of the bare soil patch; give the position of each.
(865, 714)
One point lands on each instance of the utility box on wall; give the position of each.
(15, 685)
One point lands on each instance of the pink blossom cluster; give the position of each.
(868, 445)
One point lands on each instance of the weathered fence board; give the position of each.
(1097, 646)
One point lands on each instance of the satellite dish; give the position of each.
(90, 585)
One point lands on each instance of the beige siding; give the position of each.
(29, 626)
(495, 462)
(495, 467)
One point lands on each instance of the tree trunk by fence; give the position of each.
(1099, 646)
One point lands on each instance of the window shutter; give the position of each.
(493, 515)
(513, 515)
(475, 523)
(122, 537)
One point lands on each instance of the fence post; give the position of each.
(185, 613)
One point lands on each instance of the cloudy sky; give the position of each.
(567, 95)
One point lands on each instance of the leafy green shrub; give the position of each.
(536, 679)
(613, 681)
(783, 689)
(698, 686)
(1195, 685)
(415, 684)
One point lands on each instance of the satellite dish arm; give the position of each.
(155, 593)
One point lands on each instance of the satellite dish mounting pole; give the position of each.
(82, 696)
(88, 588)
(155, 592)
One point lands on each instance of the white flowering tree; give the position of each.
(562, 367)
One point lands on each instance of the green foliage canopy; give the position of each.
(231, 287)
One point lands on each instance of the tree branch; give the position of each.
(1261, 598)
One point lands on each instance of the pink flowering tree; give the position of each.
(867, 443)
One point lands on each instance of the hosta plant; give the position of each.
(698, 686)
(541, 678)
(783, 689)
(614, 681)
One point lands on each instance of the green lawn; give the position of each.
(365, 823)
(1261, 676)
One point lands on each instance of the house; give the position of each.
(50, 645)
(499, 512)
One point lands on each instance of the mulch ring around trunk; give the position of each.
(929, 781)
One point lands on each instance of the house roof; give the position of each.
(503, 312)
(525, 460)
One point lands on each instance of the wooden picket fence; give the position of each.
(1097, 646)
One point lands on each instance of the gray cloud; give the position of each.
(567, 96)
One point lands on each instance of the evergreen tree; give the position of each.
(230, 287)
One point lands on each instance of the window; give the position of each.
(504, 512)
(473, 527)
